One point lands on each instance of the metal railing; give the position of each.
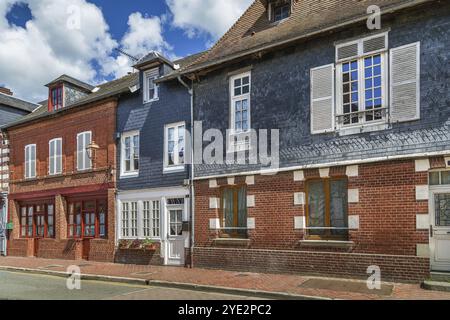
(377, 114)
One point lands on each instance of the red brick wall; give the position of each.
(101, 120)
(349, 265)
(387, 211)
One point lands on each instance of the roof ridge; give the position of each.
(20, 99)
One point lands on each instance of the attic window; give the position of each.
(56, 97)
(279, 10)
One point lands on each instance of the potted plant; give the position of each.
(149, 244)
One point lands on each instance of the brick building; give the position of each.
(62, 173)
(11, 109)
(363, 120)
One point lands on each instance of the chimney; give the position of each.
(6, 91)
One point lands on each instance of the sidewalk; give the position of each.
(227, 280)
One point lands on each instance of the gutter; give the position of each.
(283, 42)
(191, 174)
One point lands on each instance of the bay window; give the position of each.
(327, 209)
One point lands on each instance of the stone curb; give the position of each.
(436, 286)
(169, 284)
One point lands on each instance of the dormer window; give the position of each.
(150, 87)
(279, 10)
(56, 98)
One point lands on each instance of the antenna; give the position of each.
(127, 54)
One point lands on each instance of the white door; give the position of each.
(440, 230)
(2, 229)
(175, 238)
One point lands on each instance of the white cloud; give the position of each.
(47, 46)
(212, 17)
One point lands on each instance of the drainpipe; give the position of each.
(191, 174)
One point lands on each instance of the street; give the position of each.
(24, 286)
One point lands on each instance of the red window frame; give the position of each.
(34, 216)
(77, 223)
(56, 98)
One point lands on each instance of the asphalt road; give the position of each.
(25, 286)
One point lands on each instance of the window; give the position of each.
(150, 87)
(130, 153)
(281, 12)
(439, 178)
(30, 161)
(240, 102)
(151, 219)
(87, 219)
(56, 97)
(174, 147)
(362, 84)
(176, 222)
(37, 221)
(129, 219)
(234, 212)
(83, 158)
(55, 157)
(326, 209)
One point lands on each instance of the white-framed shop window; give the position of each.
(30, 161)
(55, 156)
(151, 89)
(174, 147)
(140, 219)
(130, 147)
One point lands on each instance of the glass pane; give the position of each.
(338, 206)
(316, 207)
(442, 207)
(445, 177)
(228, 210)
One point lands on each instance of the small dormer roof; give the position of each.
(75, 82)
(152, 59)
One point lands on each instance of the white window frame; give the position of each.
(133, 171)
(151, 221)
(30, 163)
(155, 97)
(234, 98)
(384, 53)
(56, 158)
(177, 166)
(86, 162)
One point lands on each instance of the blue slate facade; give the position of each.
(280, 97)
(150, 119)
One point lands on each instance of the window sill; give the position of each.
(151, 100)
(232, 242)
(176, 169)
(129, 175)
(327, 243)
(347, 131)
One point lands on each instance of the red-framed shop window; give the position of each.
(37, 221)
(56, 98)
(87, 219)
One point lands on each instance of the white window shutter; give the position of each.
(405, 83)
(322, 99)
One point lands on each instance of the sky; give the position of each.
(42, 39)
